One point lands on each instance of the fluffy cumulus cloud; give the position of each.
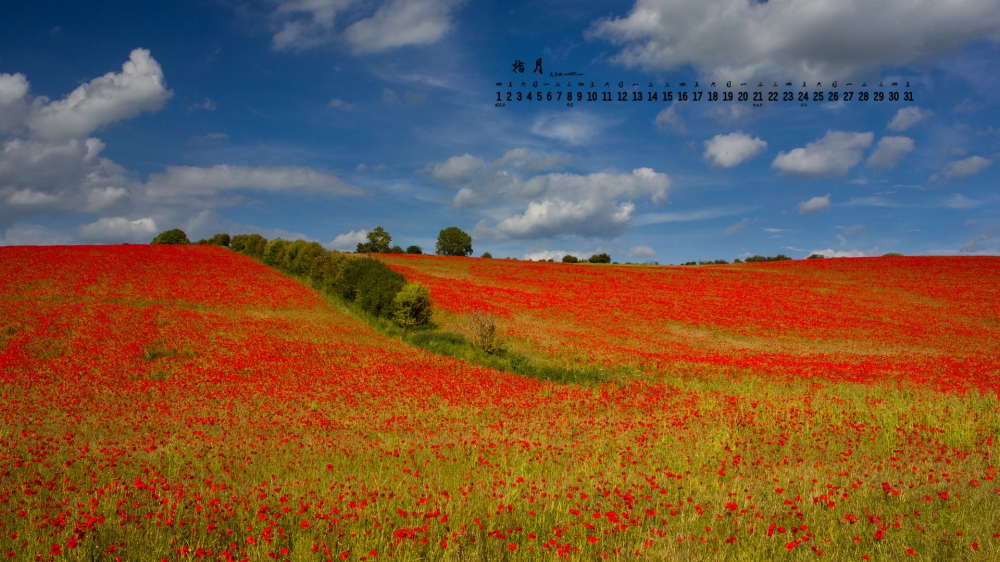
(118, 229)
(819, 39)
(815, 204)
(726, 151)
(669, 119)
(967, 167)
(908, 117)
(304, 24)
(457, 169)
(832, 155)
(550, 218)
(889, 152)
(348, 240)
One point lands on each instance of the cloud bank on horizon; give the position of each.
(324, 118)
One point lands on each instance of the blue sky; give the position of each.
(321, 119)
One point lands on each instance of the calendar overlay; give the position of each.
(573, 88)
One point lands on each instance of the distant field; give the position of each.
(187, 402)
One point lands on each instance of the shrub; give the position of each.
(779, 257)
(737, 260)
(600, 258)
(414, 250)
(487, 255)
(172, 236)
(325, 267)
(453, 241)
(815, 257)
(893, 255)
(484, 334)
(370, 283)
(397, 249)
(252, 245)
(412, 306)
(221, 239)
(570, 259)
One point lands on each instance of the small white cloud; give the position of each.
(401, 23)
(967, 167)
(727, 151)
(734, 228)
(207, 105)
(349, 240)
(211, 138)
(908, 117)
(834, 155)
(342, 105)
(118, 229)
(546, 255)
(641, 252)
(33, 235)
(574, 127)
(854, 228)
(831, 253)
(361, 167)
(815, 204)
(889, 152)
(958, 201)
(669, 119)
(457, 169)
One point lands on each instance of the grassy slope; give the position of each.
(158, 401)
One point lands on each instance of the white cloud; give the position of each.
(337, 103)
(687, 216)
(574, 127)
(101, 199)
(108, 99)
(834, 154)
(546, 255)
(815, 204)
(889, 152)
(668, 119)
(118, 229)
(727, 151)
(207, 105)
(549, 218)
(831, 253)
(568, 187)
(33, 235)
(908, 117)
(808, 39)
(13, 101)
(976, 244)
(958, 201)
(641, 252)
(390, 97)
(734, 228)
(348, 240)
(397, 23)
(457, 169)
(401, 23)
(967, 167)
(189, 180)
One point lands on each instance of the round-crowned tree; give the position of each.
(453, 241)
(172, 236)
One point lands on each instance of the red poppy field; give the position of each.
(187, 402)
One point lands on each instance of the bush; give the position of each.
(487, 255)
(453, 241)
(599, 258)
(172, 236)
(397, 249)
(893, 255)
(325, 267)
(779, 257)
(737, 260)
(412, 306)
(252, 245)
(414, 250)
(484, 334)
(370, 283)
(815, 257)
(570, 259)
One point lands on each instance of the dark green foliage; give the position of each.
(217, 240)
(712, 262)
(252, 245)
(487, 255)
(378, 242)
(369, 283)
(690, 263)
(737, 260)
(397, 249)
(815, 257)
(414, 250)
(172, 236)
(893, 255)
(453, 241)
(570, 259)
(779, 257)
(599, 258)
(325, 267)
(296, 258)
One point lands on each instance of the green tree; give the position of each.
(414, 250)
(487, 255)
(570, 259)
(599, 258)
(412, 306)
(453, 241)
(378, 242)
(172, 236)
(370, 283)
